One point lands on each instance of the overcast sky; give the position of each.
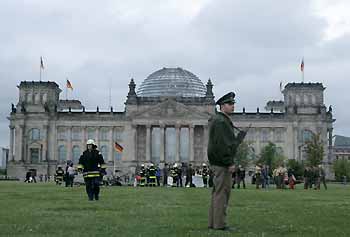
(245, 46)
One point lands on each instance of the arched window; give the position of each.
(44, 98)
(62, 154)
(104, 152)
(35, 134)
(36, 98)
(29, 97)
(76, 154)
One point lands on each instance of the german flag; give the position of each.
(118, 147)
(69, 85)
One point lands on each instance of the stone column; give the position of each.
(84, 137)
(330, 145)
(11, 157)
(19, 143)
(111, 146)
(205, 142)
(45, 145)
(177, 137)
(191, 142)
(162, 145)
(69, 144)
(97, 141)
(148, 143)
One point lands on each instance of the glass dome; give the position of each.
(172, 82)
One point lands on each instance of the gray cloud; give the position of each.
(246, 46)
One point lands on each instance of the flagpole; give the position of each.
(40, 73)
(303, 75)
(110, 94)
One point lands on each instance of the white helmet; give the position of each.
(204, 164)
(175, 165)
(90, 142)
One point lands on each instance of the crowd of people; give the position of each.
(181, 175)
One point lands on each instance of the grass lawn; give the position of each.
(44, 209)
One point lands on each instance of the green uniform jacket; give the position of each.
(223, 143)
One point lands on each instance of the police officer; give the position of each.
(92, 165)
(222, 148)
(59, 175)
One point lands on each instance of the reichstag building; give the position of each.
(165, 121)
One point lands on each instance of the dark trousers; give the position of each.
(189, 180)
(92, 187)
(241, 179)
(69, 180)
(165, 180)
(205, 181)
(220, 197)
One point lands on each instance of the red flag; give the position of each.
(41, 63)
(69, 85)
(118, 147)
(302, 65)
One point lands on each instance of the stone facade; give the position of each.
(45, 134)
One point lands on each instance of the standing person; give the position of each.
(179, 176)
(165, 175)
(174, 174)
(306, 178)
(59, 175)
(222, 147)
(142, 174)
(258, 176)
(158, 175)
(322, 176)
(70, 175)
(241, 177)
(189, 174)
(205, 174)
(91, 163)
(151, 171)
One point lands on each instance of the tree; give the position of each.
(270, 156)
(243, 155)
(314, 150)
(297, 167)
(341, 168)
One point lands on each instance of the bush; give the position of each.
(341, 168)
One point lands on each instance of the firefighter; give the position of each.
(174, 174)
(92, 165)
(142, 175)
(151, 173)
(59, 175)
(205, 174)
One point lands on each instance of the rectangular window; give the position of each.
(34, 155)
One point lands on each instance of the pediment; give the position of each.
(170, 109)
